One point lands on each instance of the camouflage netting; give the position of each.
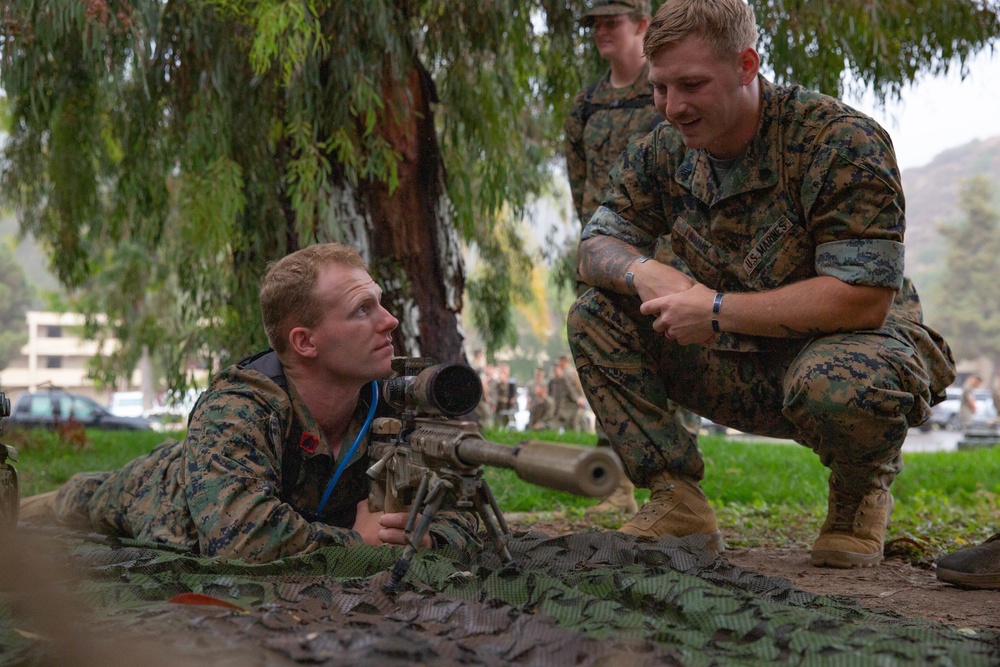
(583, 599)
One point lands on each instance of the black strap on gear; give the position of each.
(589, 108)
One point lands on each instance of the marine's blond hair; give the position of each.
(287, 292)
(728, 25)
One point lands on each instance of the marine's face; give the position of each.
(705, 96)
(615, 35)
(353, 341)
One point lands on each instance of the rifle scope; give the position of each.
(446, 390)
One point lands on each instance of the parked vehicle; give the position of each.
(49, 407)
(172, 414)
(945, 414)
(126, 404)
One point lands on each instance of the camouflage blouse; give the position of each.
(219, 492)
(816, 193)
(602, 121)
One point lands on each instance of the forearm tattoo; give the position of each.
(604, 260)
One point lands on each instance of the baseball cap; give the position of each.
(613, 7)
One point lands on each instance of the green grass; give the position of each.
(776, 494)
(43, 462)
(763, 493)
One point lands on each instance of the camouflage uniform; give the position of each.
(541, 407)
(565, 391)
(597, 131)
(220, 492)
(602, 122)
(817, 192)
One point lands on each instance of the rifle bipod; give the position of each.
(434, 489)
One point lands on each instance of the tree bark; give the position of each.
(416, 249)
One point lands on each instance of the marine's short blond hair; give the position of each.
(287, 292)
(728, 25)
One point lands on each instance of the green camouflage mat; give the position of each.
(583, 599)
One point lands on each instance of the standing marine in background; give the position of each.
(569, 401)
(541, 408)
(614, 110)
(606, 116)
(967, 409)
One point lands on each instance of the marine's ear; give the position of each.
(301, 342)
(749, 65)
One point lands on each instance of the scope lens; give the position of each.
(455, 389)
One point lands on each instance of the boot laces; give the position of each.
(652, 509)
(844, 514)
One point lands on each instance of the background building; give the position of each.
(56, 356)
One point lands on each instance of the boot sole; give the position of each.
(844, 560)
(966, 580)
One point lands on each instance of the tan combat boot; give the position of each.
(39, 509)
(677, 506)
(854, 531)
(621, 499)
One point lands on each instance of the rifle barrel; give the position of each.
(583, 471)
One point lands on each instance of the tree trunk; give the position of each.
(408, 236)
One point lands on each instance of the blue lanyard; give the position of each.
(350, 452)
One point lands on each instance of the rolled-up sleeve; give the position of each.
(855, 205)
(877, 263)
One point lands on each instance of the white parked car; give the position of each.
(945, 414)
(173, 415)
(126, 404)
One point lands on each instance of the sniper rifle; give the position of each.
(428, 459)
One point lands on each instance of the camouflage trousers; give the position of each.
(849, 397)
(685, 418)
(129, 502)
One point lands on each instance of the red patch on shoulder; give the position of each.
(308, 443)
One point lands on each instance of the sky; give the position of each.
(941, 112)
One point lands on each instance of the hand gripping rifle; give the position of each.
(428, 460)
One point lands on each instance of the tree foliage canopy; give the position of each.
(166, 149)
(969, 312)
(15, 297)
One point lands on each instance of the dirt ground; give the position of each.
(895, 584)
(359, 625)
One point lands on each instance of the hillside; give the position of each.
(31, 259)
(932, 200)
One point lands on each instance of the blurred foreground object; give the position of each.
(8, 475)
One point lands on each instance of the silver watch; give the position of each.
(630, 277)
